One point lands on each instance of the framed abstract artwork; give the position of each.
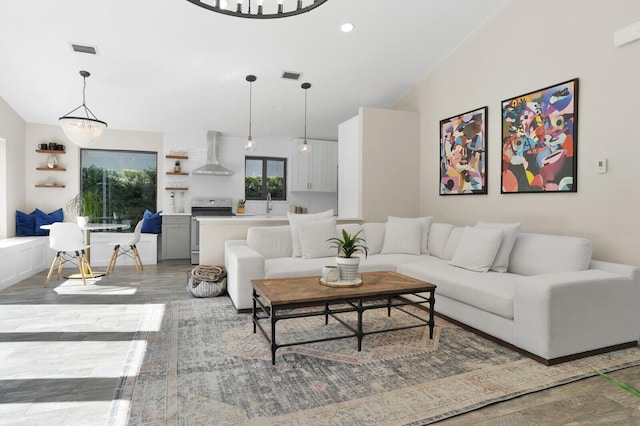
(463, 153)
(539, 140)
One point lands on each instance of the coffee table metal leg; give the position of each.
(254, 311)
(326, 313)
(274, 346)
(359, 333)
(432, 302)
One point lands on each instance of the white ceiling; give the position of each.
(171, 66)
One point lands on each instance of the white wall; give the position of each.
(525, 47)
(49, 199)
(12, 186)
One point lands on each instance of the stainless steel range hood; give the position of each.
(213, 167)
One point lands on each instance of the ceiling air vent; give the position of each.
(79, 48)
(288, 75)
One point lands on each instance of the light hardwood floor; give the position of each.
(62, 349)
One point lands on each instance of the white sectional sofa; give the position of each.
(552, 302)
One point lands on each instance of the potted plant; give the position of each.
(176, 166)
(85, 207)
(347, 246)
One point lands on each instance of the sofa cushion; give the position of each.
(509, 232)
(453, 242)
(491, 291)
(438, 236)
(25, 224)
(351, 228)
(535, 254)
(477, 249)
(47, 219)
(294, 222)
(314, 236)
(270, 241)
(386, 262)
(374, 235)
(425, 222)
(152, 223)
(283, 267)
(402, 237)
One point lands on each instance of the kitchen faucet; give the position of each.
(269, 206)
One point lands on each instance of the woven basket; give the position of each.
(207, 281)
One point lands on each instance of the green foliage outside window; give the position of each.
(125, 195)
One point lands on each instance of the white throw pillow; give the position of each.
(402, 238)
(509, 233)
(374, 235)
(294, 222)
(426, 225)
(313, 238)
(438, 237)
(453, 242)
(477, 249)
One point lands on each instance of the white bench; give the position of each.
(101, 250)
(22, 257)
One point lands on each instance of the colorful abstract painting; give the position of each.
(539, 140)
(463, 153)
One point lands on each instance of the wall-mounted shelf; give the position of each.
(178, 173)
(50, 186)
(172, 188)
(49, 151)
(51, 169)
(178, 157)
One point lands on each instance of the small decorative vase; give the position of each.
(82, 220)
(348, 267)
(52, 161)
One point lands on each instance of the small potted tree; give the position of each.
(348, 245)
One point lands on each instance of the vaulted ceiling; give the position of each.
(171, 66)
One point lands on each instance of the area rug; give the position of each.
(206, 367)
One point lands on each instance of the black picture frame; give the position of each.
(540, 140)
(463, 153)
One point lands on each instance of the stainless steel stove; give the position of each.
(205, 207)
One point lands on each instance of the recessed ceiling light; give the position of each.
(347, 27)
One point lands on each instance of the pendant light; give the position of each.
(305, 148)
(83, 131)
(250, 144)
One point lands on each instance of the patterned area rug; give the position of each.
(207, 367)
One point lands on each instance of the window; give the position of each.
(125, 183)
(264, 175)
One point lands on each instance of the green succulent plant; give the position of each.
(349, 244)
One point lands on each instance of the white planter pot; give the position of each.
(348, 267)
(82, 220)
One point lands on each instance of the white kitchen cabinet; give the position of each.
(316, 171)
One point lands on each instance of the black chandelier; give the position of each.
(257, 9)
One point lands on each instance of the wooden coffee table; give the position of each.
(279, 298)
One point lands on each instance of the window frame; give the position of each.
(132, 218)
(263, 190)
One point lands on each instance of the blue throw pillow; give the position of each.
(25, 224)
(152, 222)
(47, 219)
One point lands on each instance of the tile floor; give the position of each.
(63, 350)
